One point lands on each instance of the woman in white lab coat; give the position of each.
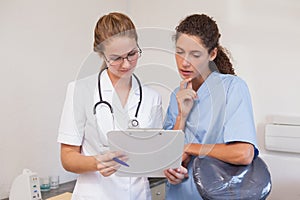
(112, 99)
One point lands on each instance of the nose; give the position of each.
(126, 63)
(185, 62)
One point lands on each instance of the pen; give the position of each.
(120, 161)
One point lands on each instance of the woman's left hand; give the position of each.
(175, 176)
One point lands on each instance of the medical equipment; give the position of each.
(26, 187)
(133, 123)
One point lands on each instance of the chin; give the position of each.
(125, 75)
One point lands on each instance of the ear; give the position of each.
(102, 56)
(213, 54)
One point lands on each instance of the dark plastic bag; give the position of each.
(218, 180)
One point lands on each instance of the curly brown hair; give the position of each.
(206, 29)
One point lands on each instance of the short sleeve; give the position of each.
(72, 121)
(239, 122)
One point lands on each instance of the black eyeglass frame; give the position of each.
(138, 51)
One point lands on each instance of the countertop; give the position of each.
(69, 186)
(65, 187)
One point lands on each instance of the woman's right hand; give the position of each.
(176, 176)
(185, 98)
(105, 163)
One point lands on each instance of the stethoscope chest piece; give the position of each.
(133, 123)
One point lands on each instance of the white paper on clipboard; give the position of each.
(150, 151)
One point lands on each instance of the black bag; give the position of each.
(219, 180)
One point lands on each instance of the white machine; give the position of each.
(26, 187)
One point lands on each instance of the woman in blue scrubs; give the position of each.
(212, 105)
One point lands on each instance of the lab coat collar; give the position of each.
(106, 84)
(107, 90)
(105, 81)
(134, 95)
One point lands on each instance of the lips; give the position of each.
(186, 72)
(125, 70)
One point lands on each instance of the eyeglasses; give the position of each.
(131, 57)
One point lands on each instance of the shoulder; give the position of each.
(89, 82)
(82, 87)
(150, 93)
(235, 86)
(230, 81)
(174, 92)
(173, 95)
(86, 81)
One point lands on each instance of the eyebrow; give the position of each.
(193, 51)
(179, 48)
(196, 51)
(115, 55)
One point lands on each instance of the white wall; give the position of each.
(42, 45)
(263, 37)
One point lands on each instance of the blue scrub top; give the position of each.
(221, 114)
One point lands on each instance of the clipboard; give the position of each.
(150, 151)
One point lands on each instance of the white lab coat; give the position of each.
(79, 127)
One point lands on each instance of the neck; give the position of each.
(119, 82)
(198, 81)
(122, 86)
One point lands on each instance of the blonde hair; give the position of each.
(112, 25)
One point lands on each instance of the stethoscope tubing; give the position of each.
(134, 121)
(141, 95)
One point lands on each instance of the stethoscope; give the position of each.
(133, 123)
